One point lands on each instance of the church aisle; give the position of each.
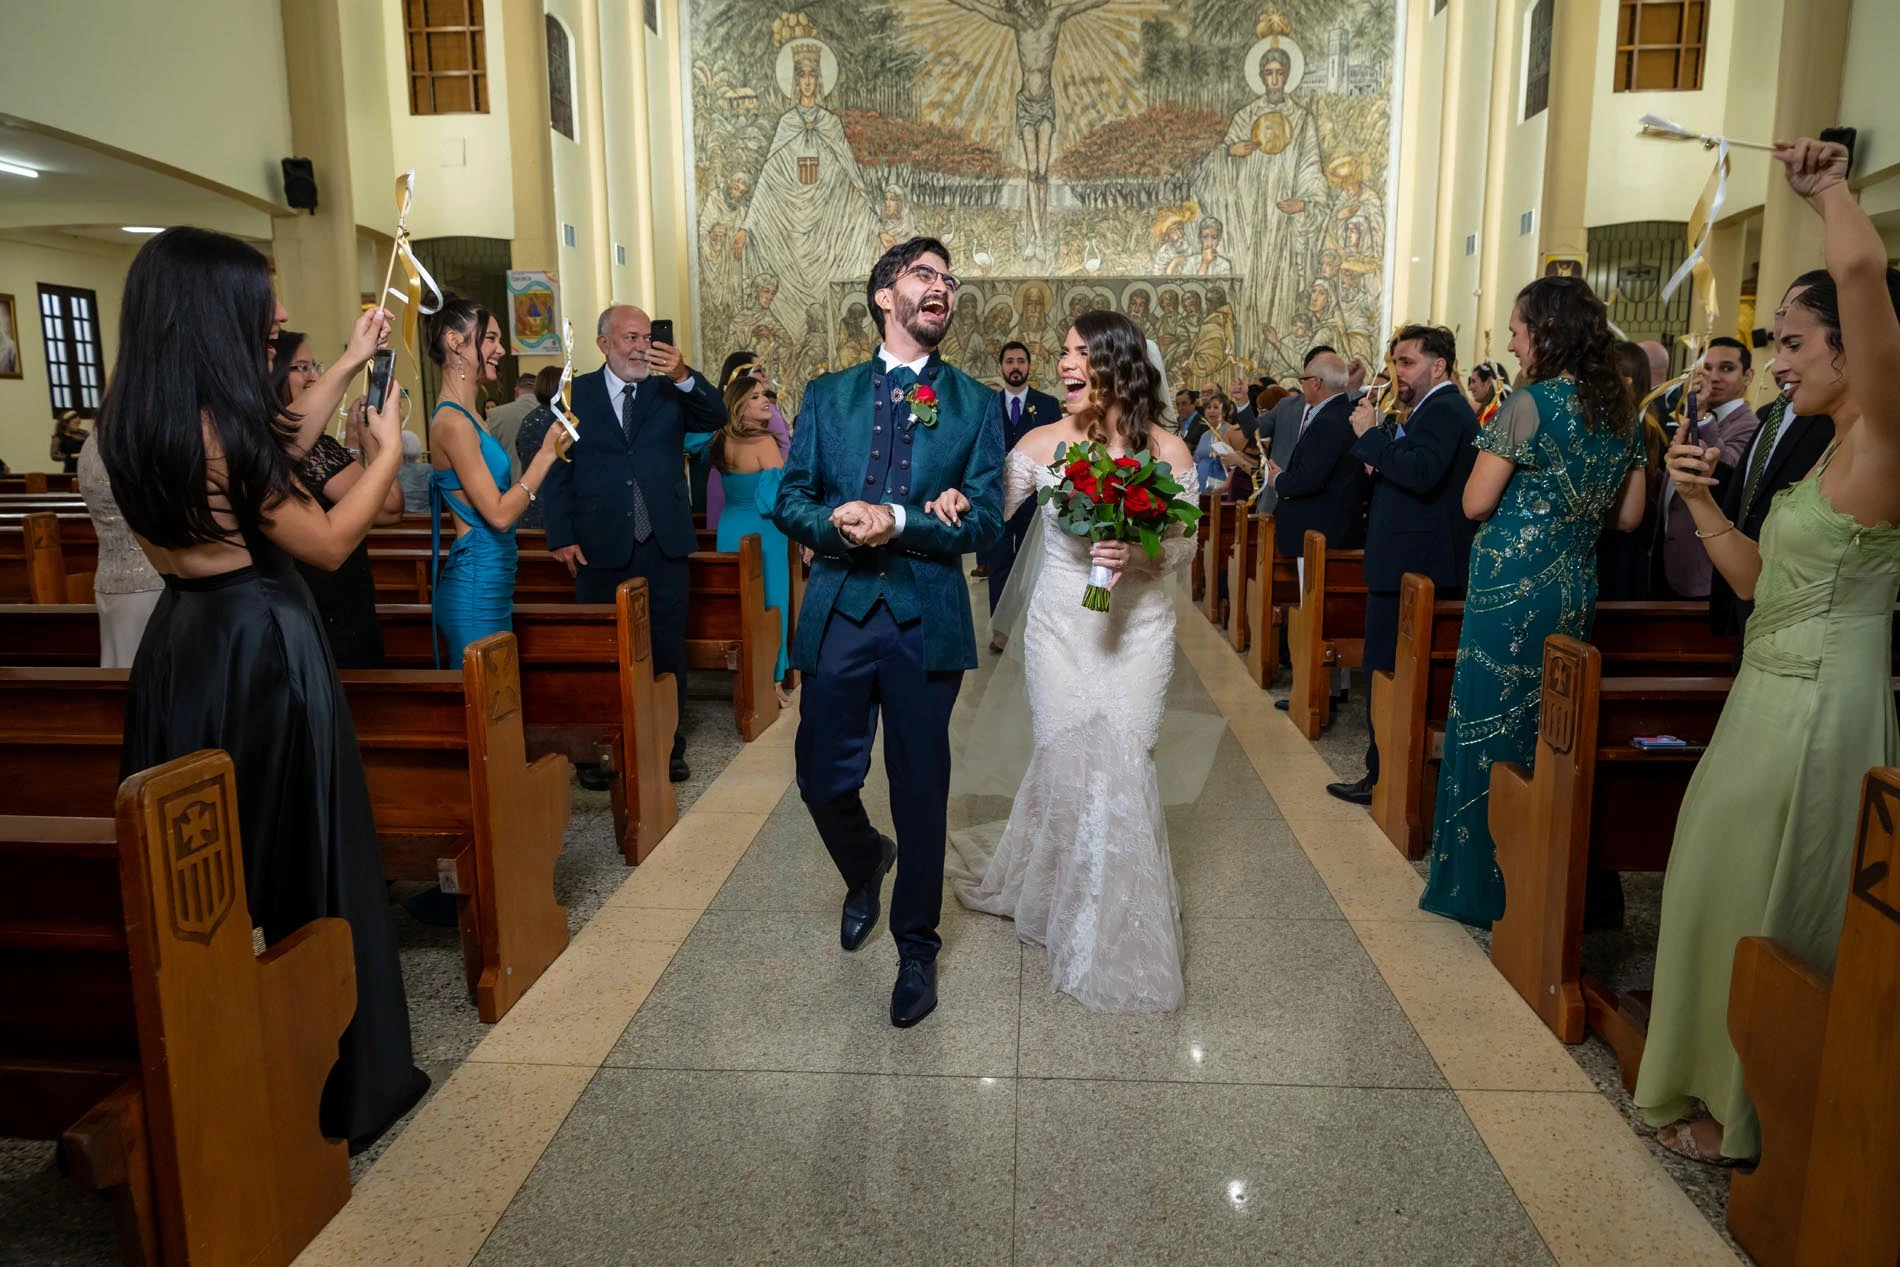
(1348, 1083)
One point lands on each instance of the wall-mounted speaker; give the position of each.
(300, 185)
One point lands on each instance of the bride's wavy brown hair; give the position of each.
(1119, 371)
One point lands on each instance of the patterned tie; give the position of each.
(1758, 462)
(1015, 413)
(642, 522)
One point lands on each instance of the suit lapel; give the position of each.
(1783, 452)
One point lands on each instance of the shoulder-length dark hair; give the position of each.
(1570, 334)
(283, 348)
(192, 331)
(1119, 371)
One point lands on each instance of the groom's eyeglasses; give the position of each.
(930, 277)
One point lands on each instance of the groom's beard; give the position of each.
(925, 327)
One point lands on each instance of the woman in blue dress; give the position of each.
(750, 463)
(473, 585)
(1562, 457)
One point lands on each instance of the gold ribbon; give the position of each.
(415, 277)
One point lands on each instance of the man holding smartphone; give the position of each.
(620, 508)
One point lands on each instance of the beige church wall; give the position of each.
(1868, 99)
(464, 185)
(574, 185)
(26, 260)
(1067, 154)
(1749, 104)
(195, 85)
(1481, 49)
(371, 108)
(1637, 178)
(1519, 171)
(621, 118)
(1419, 162)
(668, 291)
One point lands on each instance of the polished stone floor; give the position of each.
(704, 1077)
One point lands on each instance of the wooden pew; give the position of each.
(1595, 801)
(1818, 1058)
(587, 684)
(36, 557)
(1197, 571)
(588, 692)
(1326, 631)
(1274, 589)
(1223, 518)
(728, 626)
(1410, 704)
(1242, 567)
(178, 1072)
(47, 580)
(39, 482)
(455, 799)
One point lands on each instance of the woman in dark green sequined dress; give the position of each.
(1558, 457)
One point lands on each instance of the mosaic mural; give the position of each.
(1214, 168)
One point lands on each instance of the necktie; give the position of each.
(1306, 417)
(1758, 462)
(642, 521)
(1015, 412)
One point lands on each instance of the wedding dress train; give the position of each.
(1083, 865)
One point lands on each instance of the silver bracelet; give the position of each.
(523, 486)
(1710, 536)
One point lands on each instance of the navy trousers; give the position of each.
(667, 581)
(866, 669)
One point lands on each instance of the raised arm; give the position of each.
(321, 399)
(984, 9)
(1071, 8)
(1857, 260)
(324, 539)
(1420, 461)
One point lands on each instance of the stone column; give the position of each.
(1573, 90)
(1807, 99)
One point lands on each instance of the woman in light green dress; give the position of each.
(1764, 840)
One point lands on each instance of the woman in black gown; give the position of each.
(345, 598)
(200, 456)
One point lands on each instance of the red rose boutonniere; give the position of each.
(923, 404)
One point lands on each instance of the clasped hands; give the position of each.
(870, 524)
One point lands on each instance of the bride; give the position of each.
(1082, 865)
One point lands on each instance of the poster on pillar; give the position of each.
(534, 327)
(1127, 144)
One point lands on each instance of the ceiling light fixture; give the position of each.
(142, 228)
(14, 169)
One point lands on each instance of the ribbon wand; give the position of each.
(565, 392)
(1657, 126)
(415, 276)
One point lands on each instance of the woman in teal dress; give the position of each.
(1765, 837)
(1560, 456)
(473, 586)
(750, 463)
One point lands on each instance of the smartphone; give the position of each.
(1657, 741)
(663, 331)
(381, 367)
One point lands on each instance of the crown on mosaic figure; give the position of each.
(1273, 23)
(787, 27)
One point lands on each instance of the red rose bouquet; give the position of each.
(1108, 498)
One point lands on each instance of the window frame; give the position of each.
(1690, 48)
(1547, 9)
(66, 337)
(564, 74)
(425, 77)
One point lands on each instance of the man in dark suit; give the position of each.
(620, 508)
(1417, 522)
(1322, 486)
(1024, 409)
(1784, 449)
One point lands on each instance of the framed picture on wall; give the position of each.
(533, 297)
(9, 338)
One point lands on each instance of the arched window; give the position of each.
(560, 79)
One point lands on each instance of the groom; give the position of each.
(885, 626)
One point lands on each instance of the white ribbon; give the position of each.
(433, 304)
(565, 391)
(1655, 125)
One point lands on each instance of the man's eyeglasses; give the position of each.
(930, 277)
(1309, 378)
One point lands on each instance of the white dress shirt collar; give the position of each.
(1722, 411)
(889, 362)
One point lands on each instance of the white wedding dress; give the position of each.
(1082, 865)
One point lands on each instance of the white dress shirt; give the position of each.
(916, 367)
(617, 388)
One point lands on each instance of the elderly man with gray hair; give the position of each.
(1322, 486)
(620, 508)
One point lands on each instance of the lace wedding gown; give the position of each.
(1082, 865)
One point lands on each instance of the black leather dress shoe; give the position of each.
(861, 904)
(915, 995)
(1283, 704)
(592, 777)
(677, 770)
(1359, 793)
